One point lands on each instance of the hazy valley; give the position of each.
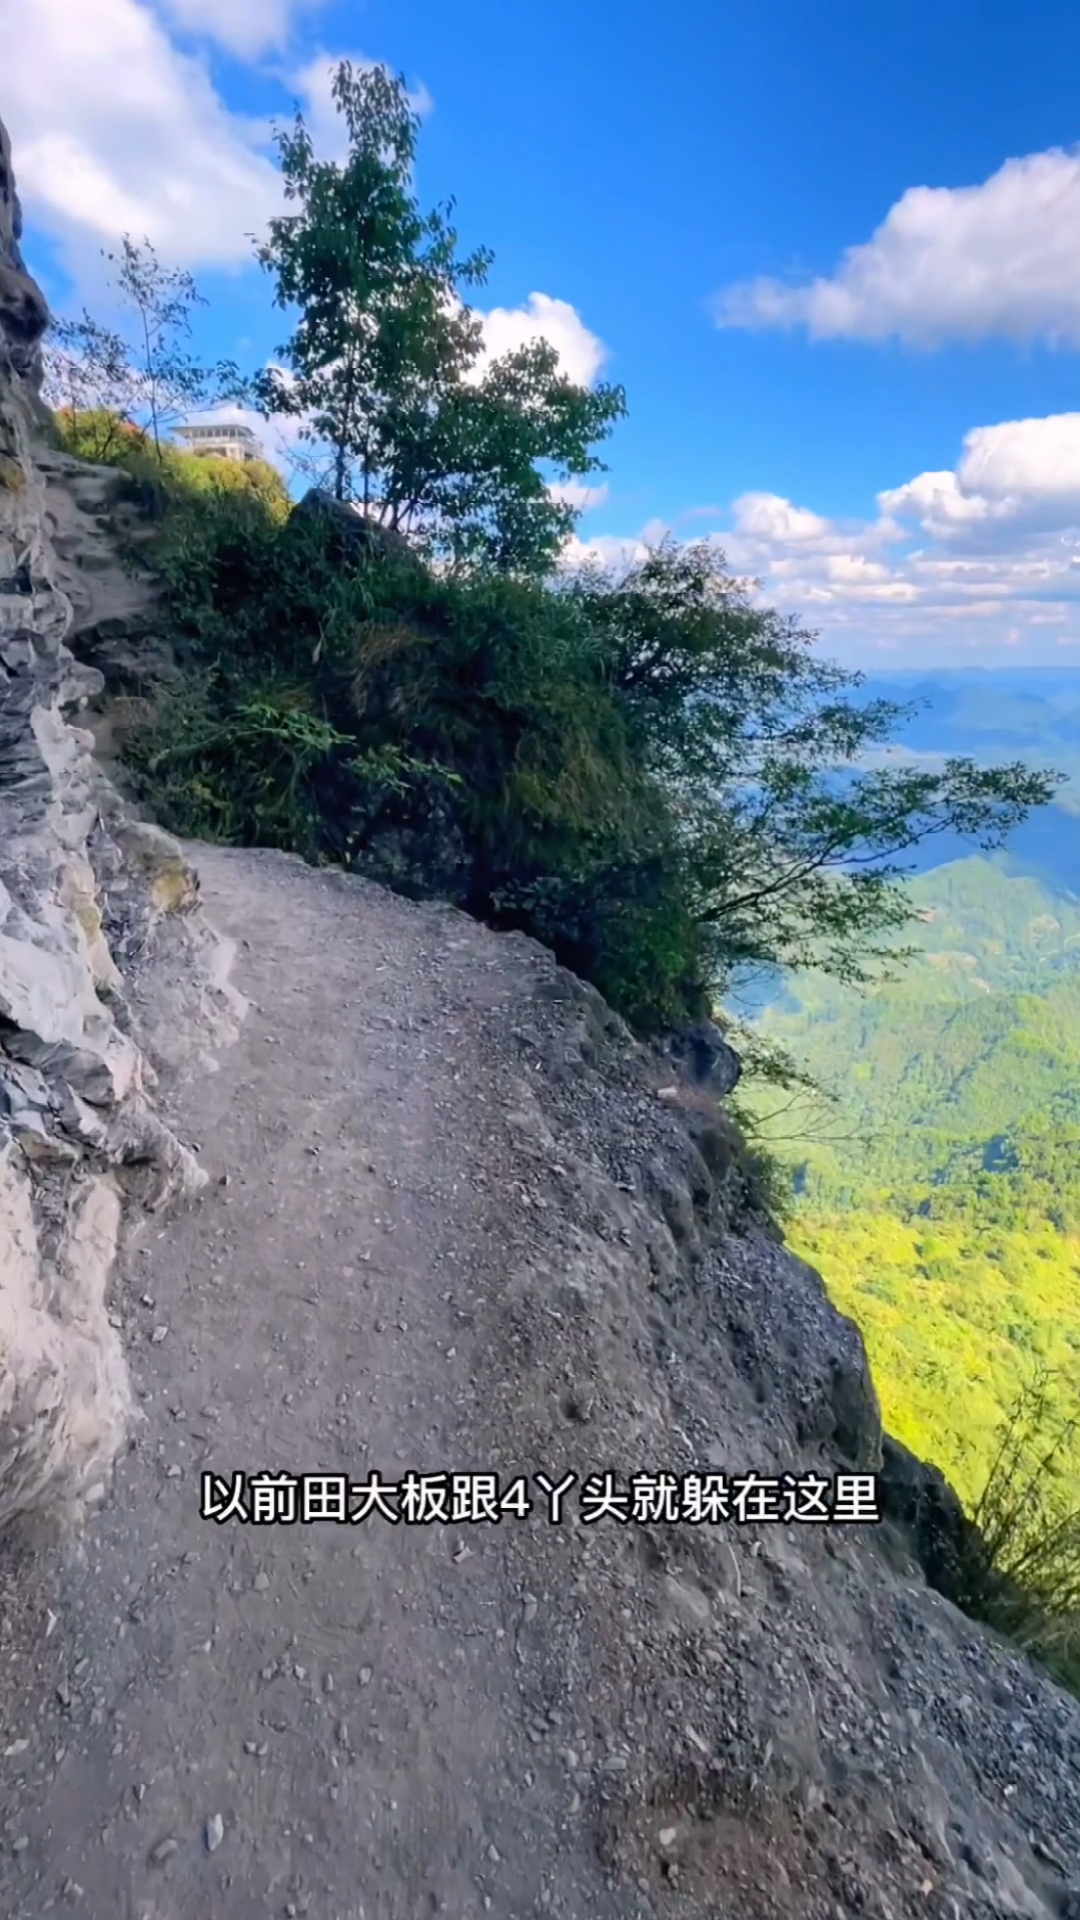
(936, 1179)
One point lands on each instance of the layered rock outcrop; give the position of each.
(105, 964)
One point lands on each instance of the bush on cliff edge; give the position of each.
(639, 769)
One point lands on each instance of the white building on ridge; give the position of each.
(225, 441)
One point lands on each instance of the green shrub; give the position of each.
(170, 476)
(240, 769)
(639, 771)
(1022, 1571)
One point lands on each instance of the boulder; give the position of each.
(920, 1504)
(355, 536)
(704, 1057)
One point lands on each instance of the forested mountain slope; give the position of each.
(939, 1188)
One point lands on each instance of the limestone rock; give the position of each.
(160, 863)
(22, 305)
(84, 896)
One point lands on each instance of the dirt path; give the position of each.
(341, 1700)
(451, 1227)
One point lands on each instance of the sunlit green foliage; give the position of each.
(938, 1190)
(956, 1321)
(168, 476)
(956, 1084)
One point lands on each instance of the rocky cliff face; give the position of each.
(105, 965)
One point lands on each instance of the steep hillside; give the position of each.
(459, 1240)
(940, 1192)
(972, 1042)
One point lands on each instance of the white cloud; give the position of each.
(613, 551)
(771, 523)
(808, 561)
(248, 28)
(768, 517)
(982, 555)
(574, 493)
(1013, 481)
(504, 329)
(581, 354)
(1037, 460)
(116, 131)
(956, 565)
(937, 501)
(947, 263)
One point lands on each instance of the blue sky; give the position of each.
(831, 252)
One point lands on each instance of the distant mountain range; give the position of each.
(1012, 710)
(1005, 714)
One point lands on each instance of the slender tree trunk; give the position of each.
(345, 425)
(153, 385)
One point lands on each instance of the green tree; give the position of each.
(145, 378)
(89, 382)
(383, 367)
(171, 383)
(792, 852)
